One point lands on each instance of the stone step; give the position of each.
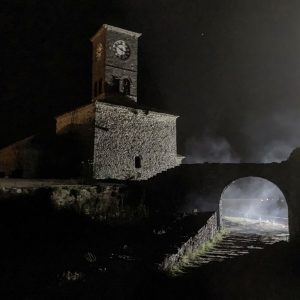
(235, 245)
(224, 252)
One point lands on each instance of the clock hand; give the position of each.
(121, 49)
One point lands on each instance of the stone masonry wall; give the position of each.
(122, 134)
(122, 68)
(204, 234)
(122, 74)
(131, 40)
(109, 66)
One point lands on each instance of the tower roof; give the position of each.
(116, 29)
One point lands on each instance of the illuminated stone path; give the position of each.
(245, 236)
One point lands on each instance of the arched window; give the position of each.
(126, 86)
(116, 85)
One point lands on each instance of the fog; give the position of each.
(269, 139)
(272, 138)
(255, 198)
(210, 149)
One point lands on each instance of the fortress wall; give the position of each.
(204, 234)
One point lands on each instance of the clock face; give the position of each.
(121, 49)
(99, 51)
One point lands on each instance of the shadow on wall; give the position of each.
(60, 156)
(44, 156)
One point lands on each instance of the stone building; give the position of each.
(121, 140)
(112, 137)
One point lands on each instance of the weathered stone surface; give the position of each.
(204, 234)
(122, 134)
(110, 67)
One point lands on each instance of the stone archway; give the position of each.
(255, 202)
(208, 180)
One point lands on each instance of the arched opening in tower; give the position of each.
(255, 205)
(126, 87)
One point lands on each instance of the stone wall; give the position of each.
(121, 74)
(108, 67)
(133, 143)
(205, 234)
(114, 34)
(20, 159)
(122, 68)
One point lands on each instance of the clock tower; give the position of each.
(117, 139)
(115, 64)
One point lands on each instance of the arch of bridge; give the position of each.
(210, 179)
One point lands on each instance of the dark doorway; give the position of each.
(116, 85)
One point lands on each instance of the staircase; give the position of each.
(242, 239)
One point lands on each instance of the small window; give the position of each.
(138, 162)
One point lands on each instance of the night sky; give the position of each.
(230, 69)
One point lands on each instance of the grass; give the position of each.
(191, 257)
